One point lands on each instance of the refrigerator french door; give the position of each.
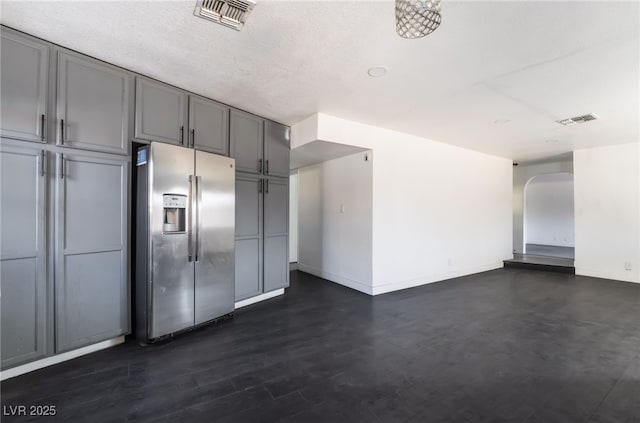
(185, 227)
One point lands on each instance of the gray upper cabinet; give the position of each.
(208, 125)
(161, 112)
(24, 64)
(246, 140)
(23, 255)
(93, 105)
(276, 228)
(91, 299)
(276, 149)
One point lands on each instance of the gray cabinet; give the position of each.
(161, 112)
(92, 105)
(208, 125)
(276, 234)
(91, 206)
(259, 146)
(162, 115)
(261, 149)
(246, 139)
(276, 149)
(24, 64)
(262, 255)
(249, 221)
(23, 280)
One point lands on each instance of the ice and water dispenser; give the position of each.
(174, 213)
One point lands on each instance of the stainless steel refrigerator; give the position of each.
(185, 224)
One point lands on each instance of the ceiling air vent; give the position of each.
(578, 119)
(231, 13)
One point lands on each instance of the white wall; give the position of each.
(548, 211)
(521, 175)
(607, 211)
(438, 211)
(293, 218)
(335, 220)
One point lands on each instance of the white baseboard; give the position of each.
(59, 358)
(259, 298)
(623, 275)
(396, 286)
(427, 279)
(349, 283)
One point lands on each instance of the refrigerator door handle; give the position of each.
(190, 222)
(198, 214)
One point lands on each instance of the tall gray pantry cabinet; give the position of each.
(261, 150)
(64, 227)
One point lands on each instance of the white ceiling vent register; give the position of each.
(578, 119)
(231, 13)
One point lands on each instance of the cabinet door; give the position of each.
(246, 139)
(24, 67)
(22, 255)
(160, 112)
(248, 237)
(276, 236)
(276, 149)
(93, 105)
(91, 250)
(208, 125)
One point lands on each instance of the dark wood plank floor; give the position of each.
(509, 345)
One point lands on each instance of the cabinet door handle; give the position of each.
(259, 165)
(61, 163)
(266, 188)
(41, 127)
(43, 158)
(266, 167)
(193, 138)
(182, 135)
(61, 131)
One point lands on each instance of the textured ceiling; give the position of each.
(530, 63)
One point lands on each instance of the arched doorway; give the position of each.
(549, 216)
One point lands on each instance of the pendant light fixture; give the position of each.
(417, 18)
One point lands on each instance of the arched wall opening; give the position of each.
(549, 222)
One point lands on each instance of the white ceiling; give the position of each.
(531, 63)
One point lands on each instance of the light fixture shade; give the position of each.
(417, 18)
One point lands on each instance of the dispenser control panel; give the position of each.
(174, 201)
(174, 206)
